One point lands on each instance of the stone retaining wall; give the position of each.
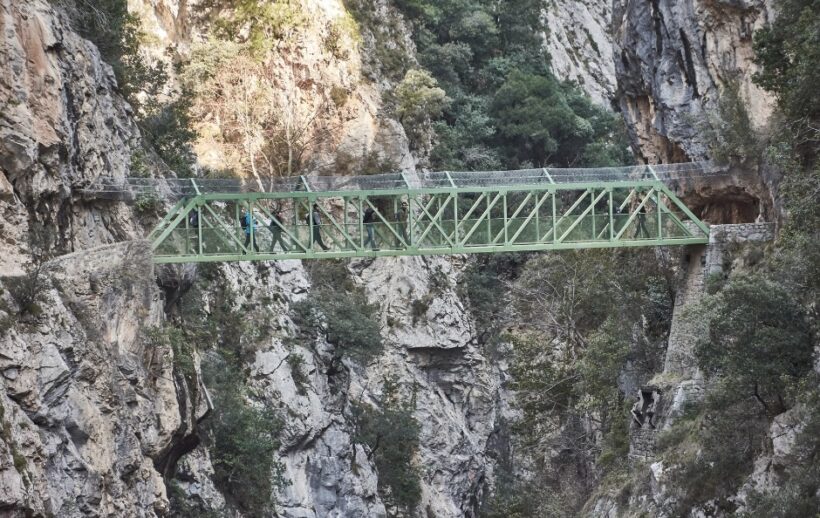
(684, 382)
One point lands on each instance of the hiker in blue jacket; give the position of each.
(247, 221)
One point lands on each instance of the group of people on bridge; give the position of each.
(313, 219)
(369, 218)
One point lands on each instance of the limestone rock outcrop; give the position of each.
(580, 46)
(90, 413)
(62, 126)
(671, 61)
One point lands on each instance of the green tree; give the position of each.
(392, 434)
(759, 342)
(259, 24)
(339, 309)
(789, 52)
(541, 121)
(418, 101)
(243, 439)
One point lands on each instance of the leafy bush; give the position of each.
(260, 25)
(174, 339)
(392, 434)
(148, 204)
(788, 51)
(732, 136)
(759, 342)
(297, 372)
(29, 290)
(243, 440)
(340, 309)
(418, 101)
(339, 95)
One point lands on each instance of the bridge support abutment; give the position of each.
(681, 381)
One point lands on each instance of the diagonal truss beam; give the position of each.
(515, 218)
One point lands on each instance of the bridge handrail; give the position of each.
(181, 187)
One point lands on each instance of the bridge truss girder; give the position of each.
(440, 221)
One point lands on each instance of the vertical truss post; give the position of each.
(594, 234)
(554, 219)
(506, 219)
(236, 213)
(187, 234)
(251, 220)
(312, 226)
(489, 220)
(361, 227)
(198, 219)
(658, 208)
(411, 221)
(199, 228)
(611, 217)
(455, 214)
(395, 211)
(455, 207)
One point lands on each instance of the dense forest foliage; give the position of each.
(505, 107)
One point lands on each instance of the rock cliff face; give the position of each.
(671, 61)
(62, 126)
(90, 415)
(580, 46)
(94, 422)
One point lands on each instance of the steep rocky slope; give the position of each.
(672, 59)
(95, 421)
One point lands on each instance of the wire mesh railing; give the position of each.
(183, 187)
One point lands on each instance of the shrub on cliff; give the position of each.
(788, 51)
(392, 434)
(759, 342)
(340, 310)
(243, 439)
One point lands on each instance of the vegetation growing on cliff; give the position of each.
(763, 325)
(161, 112)
(392, 436)
(507, 108)
(240, 433)
(338, 310)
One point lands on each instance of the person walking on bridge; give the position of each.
(249, 225)
(276, 229)
(369, 221)
(401, 224)
(641, 230)
(314, 219)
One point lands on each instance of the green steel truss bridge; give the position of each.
(447, 213)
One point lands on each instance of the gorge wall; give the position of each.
(94, 418)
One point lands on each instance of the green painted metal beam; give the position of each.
(448, 220)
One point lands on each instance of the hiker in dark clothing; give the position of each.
(248, 222)
(193, 225)
(314, 219)
(401, 220)
(641, 230)
(369, 221)
(276, 229)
